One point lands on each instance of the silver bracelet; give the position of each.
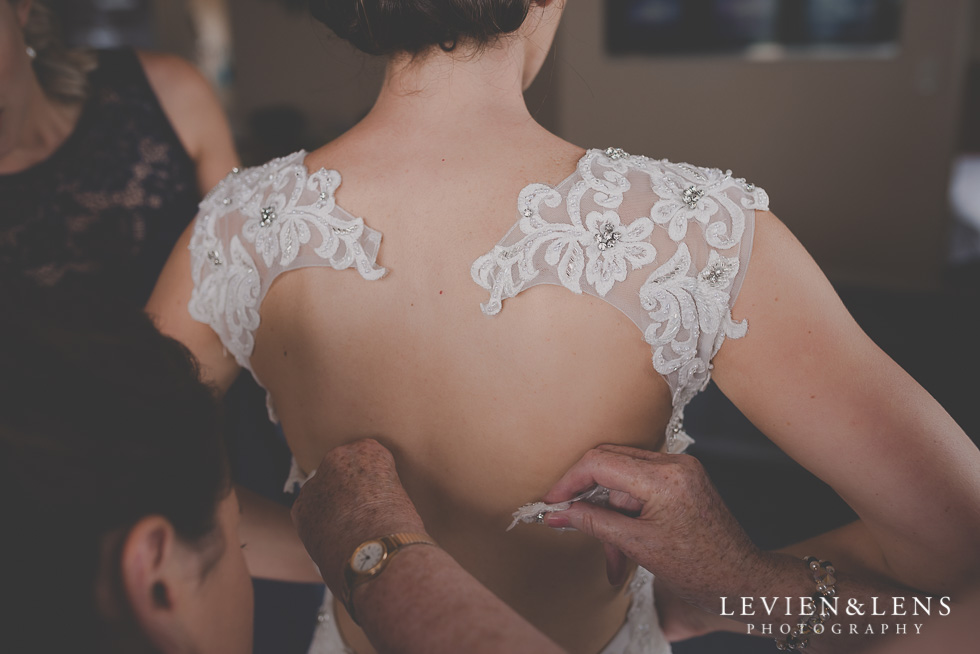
(825, 577)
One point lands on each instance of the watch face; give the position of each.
(367, 556)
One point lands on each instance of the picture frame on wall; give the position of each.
(753, 27)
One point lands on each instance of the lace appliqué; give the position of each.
(642, 624)
(689, 193)
(261, 222)
(698, 306)
(598, 246)
(598, 228)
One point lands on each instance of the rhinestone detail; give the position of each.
(267, 215)
(692, 196)
(616, 153)
(714, 276)
(718, 273)
(214, 258)
(607, 237)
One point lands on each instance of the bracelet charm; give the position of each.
(825, 576)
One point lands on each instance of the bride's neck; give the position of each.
(440, 90)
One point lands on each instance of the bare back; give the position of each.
(484, 414)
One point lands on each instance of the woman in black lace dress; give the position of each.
(103, 156)
(103, 159)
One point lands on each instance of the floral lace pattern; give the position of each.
(259, 223)
(597, 232)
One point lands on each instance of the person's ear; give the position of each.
(23, 9)
(154, 581)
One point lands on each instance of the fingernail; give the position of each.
(557, 521)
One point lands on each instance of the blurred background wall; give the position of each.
(293, 83)
(855, 149)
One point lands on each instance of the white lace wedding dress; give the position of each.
(667, 244)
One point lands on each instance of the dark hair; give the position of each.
(382, 27)
(104, 422)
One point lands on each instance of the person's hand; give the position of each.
(664, 514)
(355, 496)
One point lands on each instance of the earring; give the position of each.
(31, 52)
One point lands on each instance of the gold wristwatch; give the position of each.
(371, 557)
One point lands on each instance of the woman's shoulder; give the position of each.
(260, 222)
(708, 179)
(285, 215)
(626, 220)
(242, 184)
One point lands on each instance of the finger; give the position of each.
(373, 449)
(625, 503)
(361, 450)
(617, 472)
(616, 565)
(635, 452)
(602, 524)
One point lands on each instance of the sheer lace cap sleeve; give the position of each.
(667, 244)
(259, 223)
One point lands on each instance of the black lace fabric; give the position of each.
(111, 201)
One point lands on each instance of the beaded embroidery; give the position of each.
(259, 223)
(597, 230)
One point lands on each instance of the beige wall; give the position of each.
(307, 66)
(854, 154)
(283, 58)
(287, 58)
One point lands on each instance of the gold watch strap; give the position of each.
(405, 539)
(393, 544)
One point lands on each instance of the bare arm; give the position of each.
(272, 548)
(813, 382)
(196, 115)
(423, 602)
(168, 308)
(669, 518)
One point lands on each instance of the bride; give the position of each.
(586, 264)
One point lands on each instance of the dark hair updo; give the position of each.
(382, 27)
